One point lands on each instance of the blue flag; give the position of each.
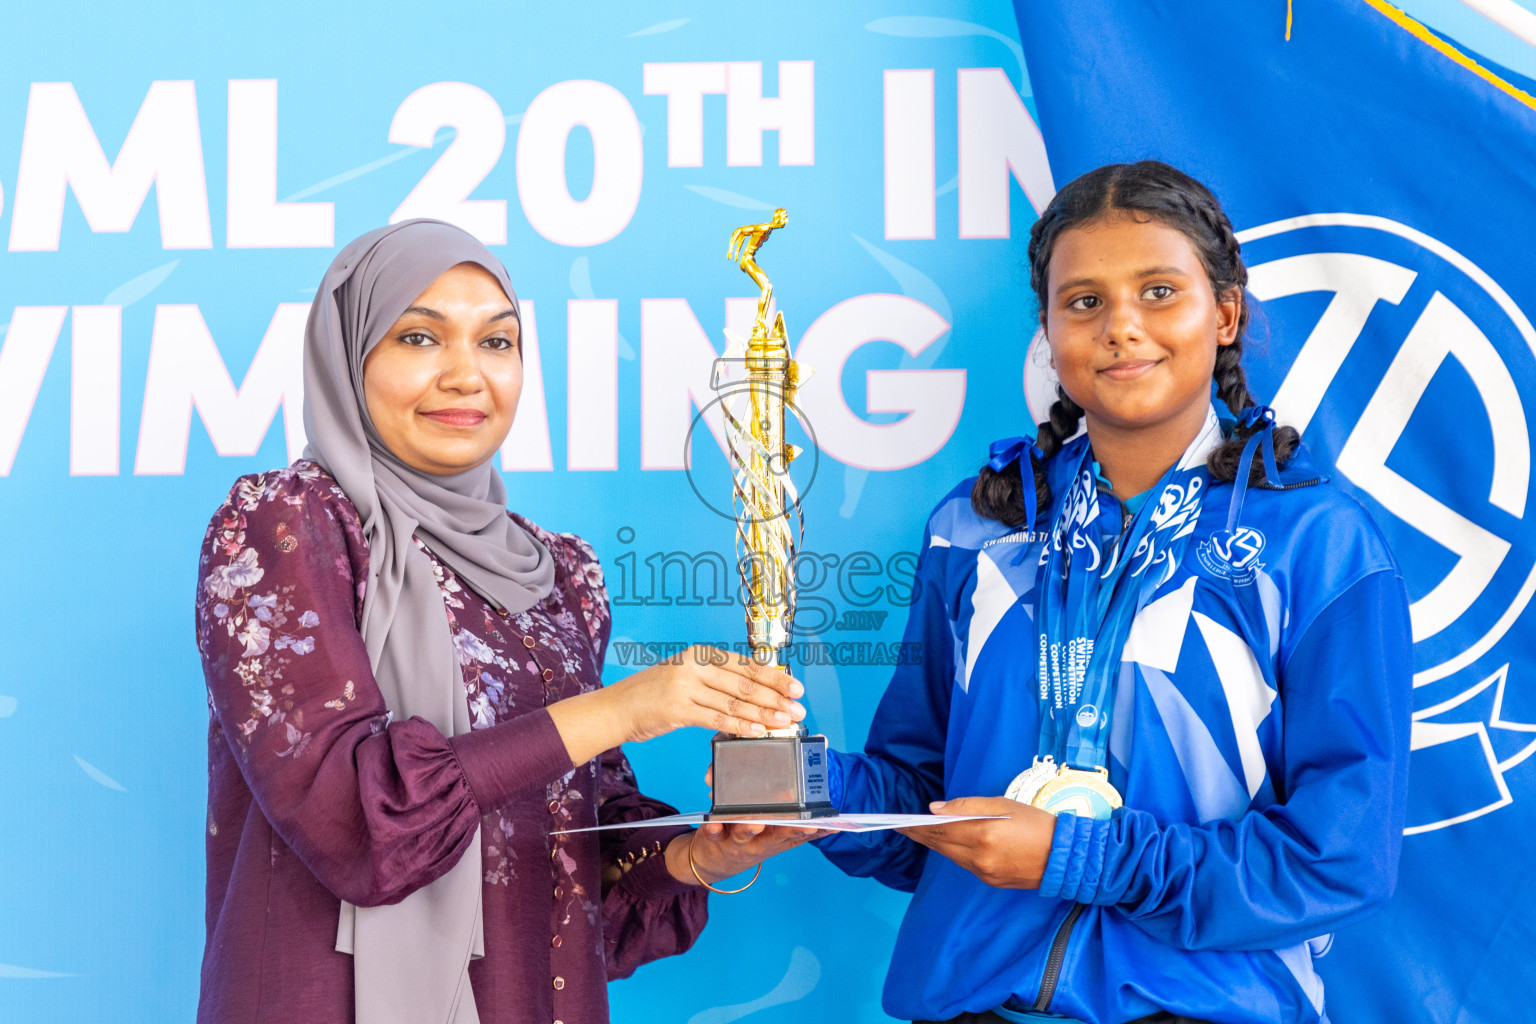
(1381, 181)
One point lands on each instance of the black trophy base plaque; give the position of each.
(770, 777)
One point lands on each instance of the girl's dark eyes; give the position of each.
(498, 343)
(416, 339)
(1156, 292)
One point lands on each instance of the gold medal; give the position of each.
(1086, 794)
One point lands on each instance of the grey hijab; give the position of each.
(411, 960)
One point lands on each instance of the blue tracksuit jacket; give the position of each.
(1259, 737)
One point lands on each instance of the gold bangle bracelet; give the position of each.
(723, 892)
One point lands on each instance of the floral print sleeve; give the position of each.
(374, 808)
(647, 914)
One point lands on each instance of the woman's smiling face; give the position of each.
(443, 383)
(1134, 325)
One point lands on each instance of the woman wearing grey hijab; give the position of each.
(405, 695)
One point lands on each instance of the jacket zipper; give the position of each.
(1294, 486)
(1058, 954)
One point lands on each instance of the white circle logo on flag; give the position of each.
(1408, 367)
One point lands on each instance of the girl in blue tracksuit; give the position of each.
(1179, 649)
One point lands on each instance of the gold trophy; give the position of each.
(784, 773)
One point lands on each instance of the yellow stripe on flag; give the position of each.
(1450, 51)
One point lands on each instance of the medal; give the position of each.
(1087, 794)
(1028, 782)
(1055, 788)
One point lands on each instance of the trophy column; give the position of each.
(782, 774)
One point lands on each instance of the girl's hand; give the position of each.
(702, 686)
(722, 849)
(1006, 852)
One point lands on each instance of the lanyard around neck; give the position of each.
(1091, 581)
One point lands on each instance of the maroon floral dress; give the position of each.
(316, 795)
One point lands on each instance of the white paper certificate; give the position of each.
(835, 823)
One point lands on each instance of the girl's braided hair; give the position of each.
(1149, 190)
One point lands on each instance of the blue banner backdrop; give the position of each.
(173, 181)
(1381, 190)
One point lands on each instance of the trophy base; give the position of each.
(770, 777)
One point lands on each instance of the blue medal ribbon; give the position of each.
(1261, 420)
(1091, 581)
(1023, 450)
